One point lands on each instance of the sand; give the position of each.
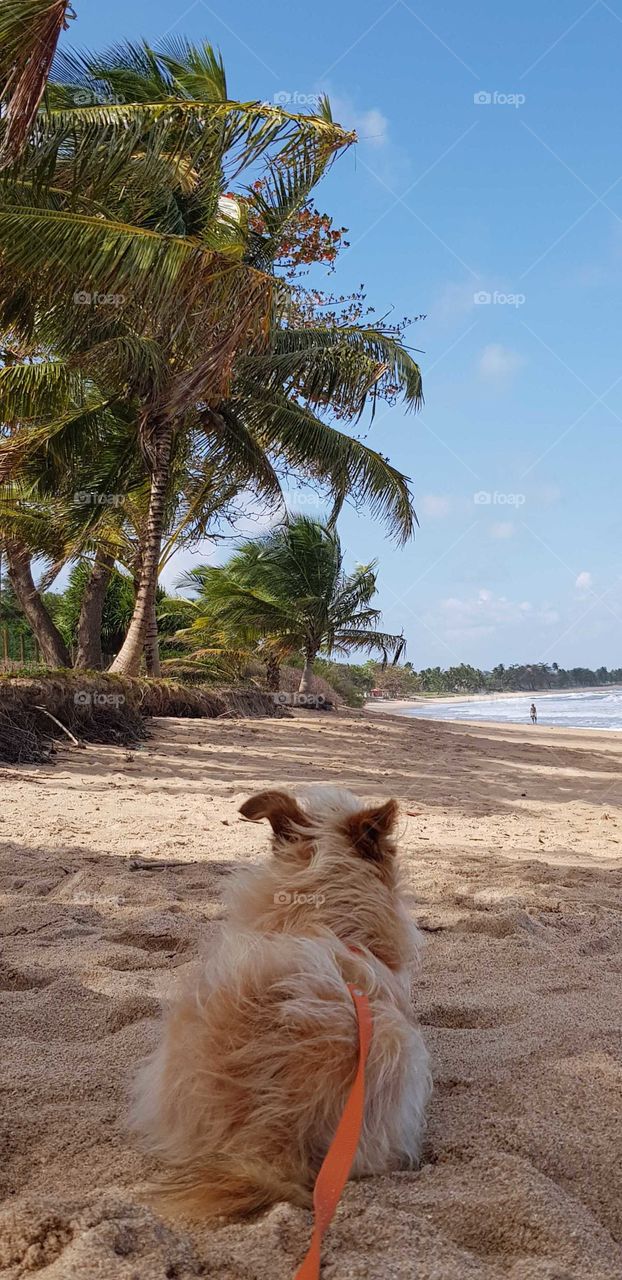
(515, 858)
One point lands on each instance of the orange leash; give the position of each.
(339, 1158)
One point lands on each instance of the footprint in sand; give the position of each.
(146, 951)
(170, 942)
(126, 1012)
(30, 1242)
(15, 980)
(463, 1017)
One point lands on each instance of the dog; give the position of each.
(260, 1047)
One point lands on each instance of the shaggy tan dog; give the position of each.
(259, 1049)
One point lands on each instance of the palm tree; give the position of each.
(29, 529)
(113, 602)
(289, 591)
(206, 341)
(119, 247)
(106, 459)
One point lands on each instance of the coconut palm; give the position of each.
(90, 510)
(199, 337)
(273, 428)
(289, 590)
(119, 248)
(29, 528)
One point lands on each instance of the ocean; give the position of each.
(573, 709)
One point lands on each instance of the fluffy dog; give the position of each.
(259, 1049)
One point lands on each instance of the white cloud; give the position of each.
(256, 519)
(485, 612)
(435, 505)
(387, 161)
(503, 529)
(182, 561)
(371, 125)
(547, 494)
(584, 581)
(497, 363)
(454, 302)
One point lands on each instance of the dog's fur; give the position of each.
(260, 1048)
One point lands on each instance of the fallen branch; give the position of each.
(61, 726)
(147, 864)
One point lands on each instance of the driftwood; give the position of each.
(149, 864)
(61, 726)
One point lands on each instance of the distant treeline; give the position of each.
(352, 682)
(356, 682)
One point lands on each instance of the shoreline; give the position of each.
(423, 698)
(511, 728)
(400, 706)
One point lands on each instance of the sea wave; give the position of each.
(574, 709)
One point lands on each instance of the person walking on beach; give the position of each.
(533, 713)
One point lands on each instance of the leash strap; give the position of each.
(339, 1158)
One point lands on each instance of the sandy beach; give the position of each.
(513, 851)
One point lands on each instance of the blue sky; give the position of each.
(485, 192)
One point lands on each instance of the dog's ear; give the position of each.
(281, 810)
(370, 829)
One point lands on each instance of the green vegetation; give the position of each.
(286, 594)
(161, 361)
(405, 682)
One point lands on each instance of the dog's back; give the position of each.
(259, 1050)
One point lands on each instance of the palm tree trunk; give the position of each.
(53, 648)
(89, 656)
(152, 648)
(273, 674)
(127, 661)
(307, 672)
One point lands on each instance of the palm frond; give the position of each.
(34, 390)
(348, 468)
(197, 70)
(65, 436)
(29, 31)
(338, 365)
(96, 257)
(275, 202)
(347, 639)
(102, 137)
